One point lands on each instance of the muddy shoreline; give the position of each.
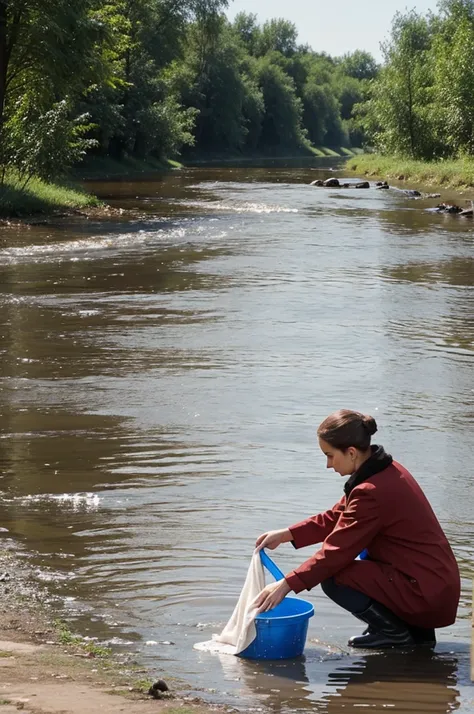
(46, 668)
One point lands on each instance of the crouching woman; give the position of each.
(407, 582)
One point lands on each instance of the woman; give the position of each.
(408, 581)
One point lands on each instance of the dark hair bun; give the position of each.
(370, 424)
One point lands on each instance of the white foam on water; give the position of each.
(243, 207)
(76, 501)
(215, 647)
(90, 247)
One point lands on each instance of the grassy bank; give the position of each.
(313, 152)
(340, 151)
(104, 167)
(451, 174)
(38, 197)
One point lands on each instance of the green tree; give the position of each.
(136, 110)
(248, 31)
(359, 65)
(278, 35)
(282, 125)
(454, 88)
(321, 116)
(398, 115)
(42, 44)
(456, 10)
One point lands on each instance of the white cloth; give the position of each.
(240, 631)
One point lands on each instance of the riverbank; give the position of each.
(104, 167)
(41, 198)
(449, 174)
(256, 159)
(45, 668)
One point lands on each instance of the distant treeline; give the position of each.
(158, 77)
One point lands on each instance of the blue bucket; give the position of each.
(281, 632)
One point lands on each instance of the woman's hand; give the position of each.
(273, 539)
(271, 596)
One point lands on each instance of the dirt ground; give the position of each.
(45, 670)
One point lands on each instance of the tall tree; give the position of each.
(278, 35)
(398, 113)
(454, 87)
(282, 125)
(359, 65)
(42, 44)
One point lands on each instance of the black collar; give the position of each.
(379, 461)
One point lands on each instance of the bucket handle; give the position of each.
(271, 566)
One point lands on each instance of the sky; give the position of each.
(335, 26)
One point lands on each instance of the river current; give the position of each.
(162, 376)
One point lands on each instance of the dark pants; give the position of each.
(356, 602)
(346, 597)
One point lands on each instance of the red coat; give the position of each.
(412, 569)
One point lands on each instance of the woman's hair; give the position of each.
(346, 428)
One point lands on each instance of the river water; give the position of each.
(162, 377)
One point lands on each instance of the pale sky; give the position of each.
(335, 26)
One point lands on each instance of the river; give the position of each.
(163, 373)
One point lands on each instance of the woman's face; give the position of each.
(343, 462)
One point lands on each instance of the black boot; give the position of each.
(423, 636)
(385, 629)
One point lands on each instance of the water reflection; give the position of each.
(411, 681)
(458, 271)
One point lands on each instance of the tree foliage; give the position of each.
(421, 104)
(160, 77)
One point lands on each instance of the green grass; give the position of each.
(39, 197)
(329, 152)
(103, 167)
(453, 173)
(345, 151)
(66, 637)
(334, 151)
(317, 151)
(143, 684)
(223, 159)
